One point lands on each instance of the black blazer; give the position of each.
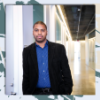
(59, 71)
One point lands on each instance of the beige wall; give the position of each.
(87, 49)
(97, 41)
(91, 50)
(82, 50)
(71, 50)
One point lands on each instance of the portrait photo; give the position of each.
(50, 49)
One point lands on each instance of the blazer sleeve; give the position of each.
(66, 72)
(25, 82)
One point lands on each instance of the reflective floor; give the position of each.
(83, 78)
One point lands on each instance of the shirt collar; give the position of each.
(45, 43)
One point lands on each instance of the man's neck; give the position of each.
(42, 44)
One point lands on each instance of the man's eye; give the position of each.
(36, 30)
(43, 30)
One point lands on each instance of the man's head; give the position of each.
(39, 31)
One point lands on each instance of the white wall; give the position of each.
(71, 50)
(49, 15)
(27, 25)
(19, 27)
(9, 50)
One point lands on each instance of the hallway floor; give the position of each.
(83, 78)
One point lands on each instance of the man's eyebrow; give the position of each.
(40, 29)
(35, 28)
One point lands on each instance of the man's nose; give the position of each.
(39, 32)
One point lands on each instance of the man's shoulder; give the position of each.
(28, 48)
(57, 44)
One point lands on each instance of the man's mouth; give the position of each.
(39, 37)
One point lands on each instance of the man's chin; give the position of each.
(40, 41)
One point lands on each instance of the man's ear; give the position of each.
(33, 32)
(47, 32)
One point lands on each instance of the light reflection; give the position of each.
(77, 58)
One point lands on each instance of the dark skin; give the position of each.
(40, 33)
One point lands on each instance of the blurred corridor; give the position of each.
(83, 75)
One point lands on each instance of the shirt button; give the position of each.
(43, 63)
(43, 70)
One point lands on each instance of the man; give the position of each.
(45, 65)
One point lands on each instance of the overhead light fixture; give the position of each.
(58, 17)
(69, 35)
(79, 9)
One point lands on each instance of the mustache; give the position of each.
(39, 35)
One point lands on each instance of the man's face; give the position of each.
(39, 32)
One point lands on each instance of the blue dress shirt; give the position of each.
(42, 58)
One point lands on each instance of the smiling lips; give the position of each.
(39, 37)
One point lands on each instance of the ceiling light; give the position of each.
(79, 9)
(69, 35)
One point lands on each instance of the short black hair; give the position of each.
(40, 22)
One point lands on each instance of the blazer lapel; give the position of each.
(34, 57)
(50, 54)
